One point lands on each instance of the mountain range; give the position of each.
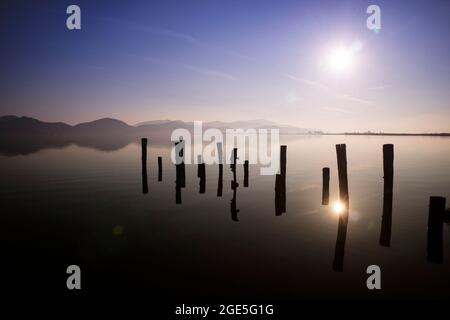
(25, 126)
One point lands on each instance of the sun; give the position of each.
(340, 59)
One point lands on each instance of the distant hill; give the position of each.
(153, 122)
(105, 126)
(25, 135)
(248, 124)
(24, 126)
(12, 125)
(8, 118)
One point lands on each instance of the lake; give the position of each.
(81, 205)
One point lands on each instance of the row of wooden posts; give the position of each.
(436, 213)
(201, 170)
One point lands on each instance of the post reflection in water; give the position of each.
(233, 206)
(435, 240)
(437, 215)
(338, 207)
(338, 262)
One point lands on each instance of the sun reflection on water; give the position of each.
(338, 207)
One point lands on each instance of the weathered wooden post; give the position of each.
(234, 183)
(159, 168)
(283, 150)
(178, 182)
(220, 181)
(435, 246)
(233, 161)
(179, 150)
(246, 174)
(280, 184)
(180, 170)
(201, 173)
(219, 153)
(325, 186)
(341, 152)
(388, 175)
(144, 165)
(338, 262)
(199, 161)
(183, 175)
(220, 161)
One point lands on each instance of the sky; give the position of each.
(230, 60)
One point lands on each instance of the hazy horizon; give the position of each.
(261, 124)
(230, 61)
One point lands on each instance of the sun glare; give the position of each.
(340, 59)
(338, 207)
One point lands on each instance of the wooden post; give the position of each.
(325, 186)
(219, 152)
(280, 184)
(159, 168)
(201, 173)
(220, 181)
(341, 152)
(234, 183)
(144, 165)
(283, 150)
(233, 160)
(246, 174)
(388, 170)
(338, 262)
(183, 175)
(180, 153)
(435, 247)
(388, 167)
(178, 183)
(220, 160)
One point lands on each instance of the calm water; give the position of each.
(84, 206)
